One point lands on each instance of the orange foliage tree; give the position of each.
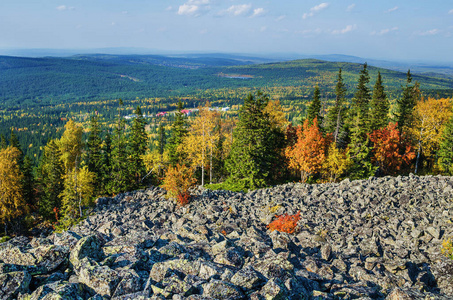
(390, 151)
(309, 152)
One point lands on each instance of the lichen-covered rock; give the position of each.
(11, 284)
(248, 279)
(218, 289)
(364, 239)
(57, 290)
(101, 279)
(89, 246)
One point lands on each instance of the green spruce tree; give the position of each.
(256, 148)
(314, 110)
(379, 106)
(405, 105)
(178, 132)
(359, 146)
(335, 121)
(106, 168)
(137, 147)
(94, 152)
(28, 183)
(361, 100)
(120, 177)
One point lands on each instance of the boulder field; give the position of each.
(379, 238)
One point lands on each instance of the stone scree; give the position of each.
(368, 239)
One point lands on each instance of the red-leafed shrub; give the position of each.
(285, 223)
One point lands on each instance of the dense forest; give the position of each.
(117, 146)
(38, 95)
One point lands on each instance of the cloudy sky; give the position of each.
(406, 29)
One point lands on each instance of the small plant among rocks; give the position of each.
(177, 182)
(447, 248)
(285, 223)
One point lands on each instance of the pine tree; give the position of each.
(446, 149)
(361, 100)
(137, 147)
(178, 132)
(335, 122)
(314, 110)
(106, 167)
(94, 151)
(28, 183)
(14, 142)
(50, 178)
(256, 146)
(360, 152)
(379, 106)
(120, 179)
(359, 146)
(405, 105)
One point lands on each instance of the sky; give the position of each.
(394, 30)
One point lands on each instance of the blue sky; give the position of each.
(405, 30)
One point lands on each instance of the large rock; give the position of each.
(11, 284)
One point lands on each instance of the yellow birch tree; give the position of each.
(200, 142)
(430, 116)
(12, 203)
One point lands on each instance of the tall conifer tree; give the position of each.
(178, 132)
(120, 179)
(405, 105)
(360, 147)
(379, 106)
(335, 122)
(256, 147)
(137, 146)
(94, 151)
(314, 110)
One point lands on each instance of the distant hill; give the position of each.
(37, 81)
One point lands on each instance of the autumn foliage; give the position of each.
(285, 223)
(177, 182)
(391, 152)
(309, 152)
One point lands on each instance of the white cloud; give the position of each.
(193, 7)
(315, 9)
(347, 29)
(64, 7)
(450, 12)
(237, 10)
(258, 12)
(384, 31)
(189, 10)
(350, 7)
(280, 18)
(428, 32)
(392, 9)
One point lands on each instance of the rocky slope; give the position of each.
(369, 239)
